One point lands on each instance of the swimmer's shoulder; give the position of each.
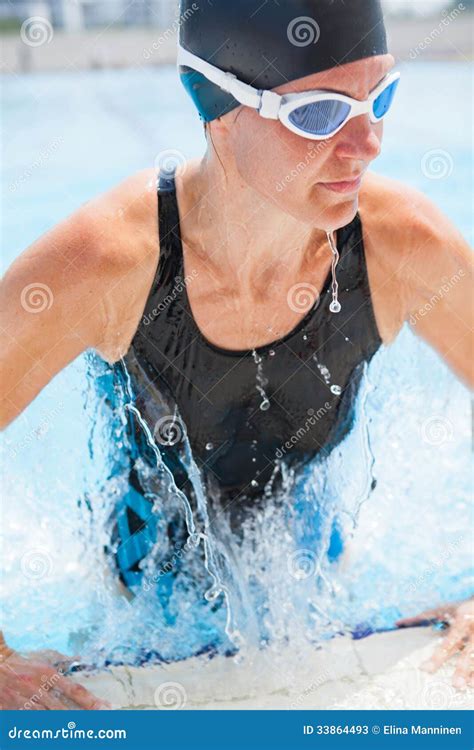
(399, 220)
(403, 232)
(116, 216)
(127, 235)
(126, 216)
(122, 239)
(94, 268)
(392, 215)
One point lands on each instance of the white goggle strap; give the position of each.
(267, 103)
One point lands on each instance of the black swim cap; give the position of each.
(267, 43)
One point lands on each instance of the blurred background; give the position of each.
(77, 34)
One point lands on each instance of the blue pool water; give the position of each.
(72, 136)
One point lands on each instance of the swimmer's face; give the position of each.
(298, 174)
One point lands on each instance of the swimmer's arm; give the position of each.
(51, 310)
(437, 285)
(81, 285)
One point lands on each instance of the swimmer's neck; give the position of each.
(233, 228)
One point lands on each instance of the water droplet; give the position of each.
(305, 337)
(310, 412)
(271, 352)
(209, 446)
(323, 370)
(254, 483)
(336, 389)
(254, 459)
(212, 593)
(334, 307)
(346, 338)
(262, 382)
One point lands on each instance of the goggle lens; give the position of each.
(320, 118)
(384, 100)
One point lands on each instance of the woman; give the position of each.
(279, 267)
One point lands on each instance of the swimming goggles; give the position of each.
(312, 114)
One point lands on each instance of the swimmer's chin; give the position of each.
(338, 215)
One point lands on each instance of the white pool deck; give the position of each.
(378, 672)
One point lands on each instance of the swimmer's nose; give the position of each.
(359, 140)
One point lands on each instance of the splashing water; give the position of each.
(251, 575)
(284, 582)
(335, 306)
(368, 456)
(215, 559)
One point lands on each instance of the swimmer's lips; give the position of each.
(343, 186)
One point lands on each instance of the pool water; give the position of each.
(399, 484)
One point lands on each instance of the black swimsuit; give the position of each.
(184, 384)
